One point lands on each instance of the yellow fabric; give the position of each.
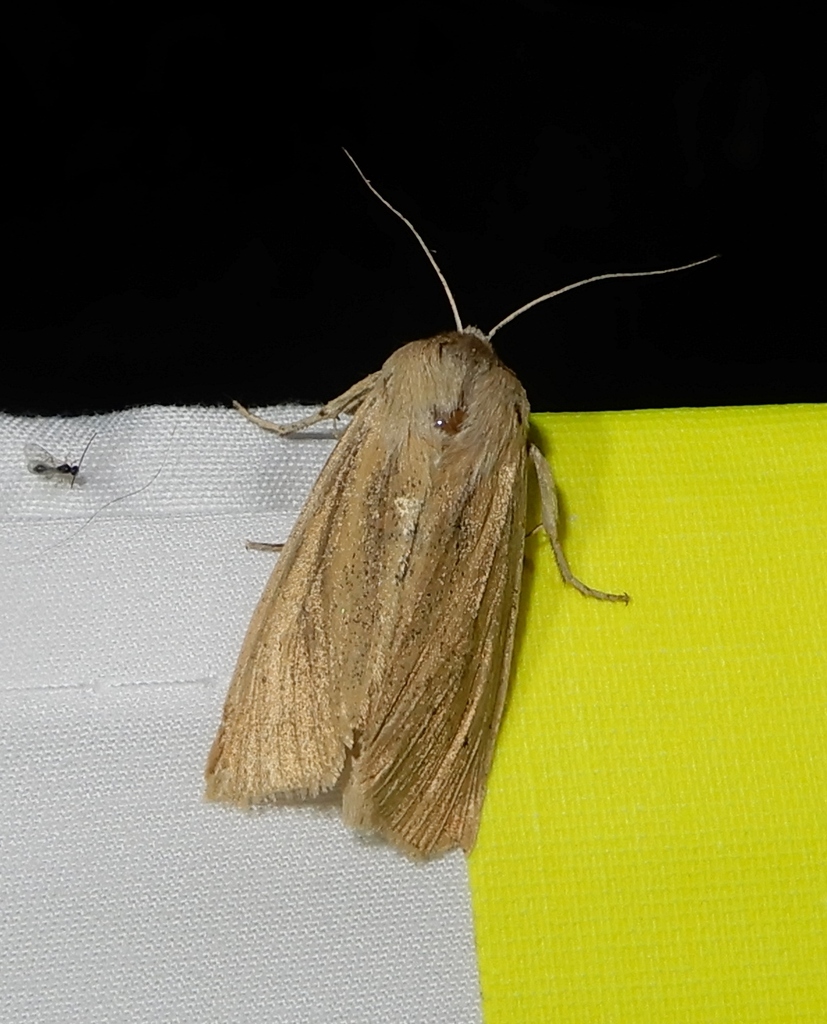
(654, 842)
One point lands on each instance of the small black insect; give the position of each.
(43, 463)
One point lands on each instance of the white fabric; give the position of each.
(123, 895)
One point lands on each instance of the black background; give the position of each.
(181, 226)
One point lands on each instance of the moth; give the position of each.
(378, 658)
(43, 463)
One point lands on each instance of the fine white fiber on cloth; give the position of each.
(124, 896)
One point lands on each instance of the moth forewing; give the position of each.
(431, 719)
(288, 715)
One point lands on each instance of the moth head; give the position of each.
(475, 332)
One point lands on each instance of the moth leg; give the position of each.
(261, 545)
(550, 512)
(345, 403)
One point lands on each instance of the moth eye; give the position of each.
(449, 422)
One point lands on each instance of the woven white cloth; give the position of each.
(123, 895)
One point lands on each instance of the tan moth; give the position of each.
(378, 658)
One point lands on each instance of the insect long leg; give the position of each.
(345, 403)
(550, 512)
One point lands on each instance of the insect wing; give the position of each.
(41, 462)
(431, 721)
(289, 715)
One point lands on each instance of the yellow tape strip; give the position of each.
(654, 841)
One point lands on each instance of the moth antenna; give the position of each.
(82, 457)
(589, 280)
(427, 251)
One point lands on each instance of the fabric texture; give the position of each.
(123, 895)
(654, 842)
